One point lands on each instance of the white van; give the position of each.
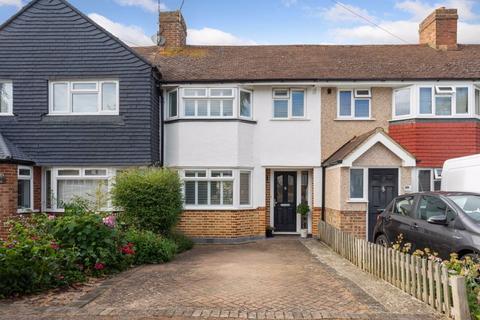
(462, 174)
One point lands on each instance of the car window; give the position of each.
(430, 206)
(470, 204)
(404, 206)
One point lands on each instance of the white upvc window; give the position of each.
(245, 109)
(402, 102)
(25, 189)
(63, 185)
(6, 98)
(443, 100)
(429, 179)
(208, 102)
(477, 101)
(172, 103)
(358, 184)
(84, 97)
(289, 103)
(217, 188)
(354, 104)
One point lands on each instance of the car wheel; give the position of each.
(382, 240)
(474, 256)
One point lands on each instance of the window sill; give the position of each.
(7, 115)
(354, 119)
(289, 119)
(216, 208)
(357, 201)
(90, 119)
(25, 211)
(209, 120)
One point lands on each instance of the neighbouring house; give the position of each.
(252, 130)
(256, 130)
(76, 105)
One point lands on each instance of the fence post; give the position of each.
(459, 297)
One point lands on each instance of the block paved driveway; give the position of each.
(269, 279)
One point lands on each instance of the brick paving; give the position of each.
(269, 279)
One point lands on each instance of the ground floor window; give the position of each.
(429, 180)
(64, 185)
(357, 184)
(217, 187)
(25, 188)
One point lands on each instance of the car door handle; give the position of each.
(414, 226)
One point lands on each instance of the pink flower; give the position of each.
(51, 217)
(99, 266)
(54, 246)
(109, 221)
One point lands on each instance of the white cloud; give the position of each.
(341, 13)
(289, 3)
(15, 3)
(421, 9)
(149, 5)
(131, 35)
(210, 36)
(408, 29)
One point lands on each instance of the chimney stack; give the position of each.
(439, 29)
(173, 29)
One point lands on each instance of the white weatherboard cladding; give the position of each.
(267, 143)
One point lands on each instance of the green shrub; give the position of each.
(98, 242)
(183, 242)
(151, 199)
(31, 261)
(150, 247)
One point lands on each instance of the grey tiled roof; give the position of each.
(9, 152)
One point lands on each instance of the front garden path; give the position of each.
(281, 278)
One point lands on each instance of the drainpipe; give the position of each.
(323, 191)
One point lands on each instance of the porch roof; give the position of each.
(10, 153)
(351, 150)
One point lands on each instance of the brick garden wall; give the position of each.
(354, 222)
(223, 224)
(8, 196)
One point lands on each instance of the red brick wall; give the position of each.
(439, 29)
(37, 188)
(8, 196)
(354, 222)
(223, 224)
(433, 142)
(173, 29)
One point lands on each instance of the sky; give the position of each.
(264, 22)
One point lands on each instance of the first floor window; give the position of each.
(402, 102)
(356, 184)
(84, 97)
(173, 103)
(288, 103)
(217, 187)
(477, 101)
(354, 103)
(6, 97)
(245, 104)
(25, 188)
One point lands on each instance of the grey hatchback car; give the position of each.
(446, 222)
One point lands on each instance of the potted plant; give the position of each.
(303, 209)
(269, 232)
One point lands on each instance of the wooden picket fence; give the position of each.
(423, 279)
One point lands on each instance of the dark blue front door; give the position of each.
(285, 200)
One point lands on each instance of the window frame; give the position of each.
(434, 177)
(71, 91)
(364, 187)
(168, 115)
(55, 177)
(250, 195)
(182, 98)
(30, 178)
(235, 179)
(289, 99)
(353, 98)
(9, 112)
(394, 109)
(240, 90)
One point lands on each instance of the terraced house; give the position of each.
(252, 130)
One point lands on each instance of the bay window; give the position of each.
(64, 185)
(203, 102)
(25, 189)
(6, 98)
(217, 188)
(429, 179)
(173, 103)
(84, 97)
(477, 102)
(354, 104)
(245, 104)
(402, 101)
